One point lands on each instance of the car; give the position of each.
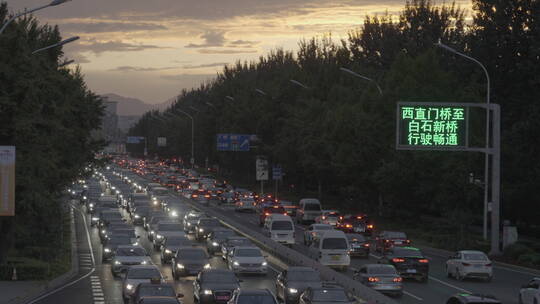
(244, 259)
(245, 204)
(158, 194)
(308, 210)
(153, 218)
(126, 256)
(112, 244)
(326, 294)
(469, 264)
(205, 226)
(356, 223)
(267, 211)
(216, 238)
(380, 277)
(331, 249)
(231, 242)
(190, 221)
(386, 240)
(156, 292)
(166, 229)
(136, 275)
(129, 232)
(530, 292)
(292, 282)
(215, 286)
(227, 198)
(330, 217)
(189, 261)
(140, 213)
(289, 207)
(259, 296)
(106, 231)
(466, 298)
(409, 262)
(359, 245)
(171, 245)
(152, 226)
(280, 228)
(314, 231)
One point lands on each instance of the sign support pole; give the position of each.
(496, 181)
(262, 187)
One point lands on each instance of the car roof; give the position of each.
(477, 297)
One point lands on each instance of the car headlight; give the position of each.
(207, 266)
(154, 198)
(201, 230)
(189, 224)
(117, 263)
(129, 287)
(174, 214)
(95, 219)
(113, 187)
(235, 263)
(137, 216)
(215, 244)
(207, 292)
(159, 236)
(155, 203)
(167, 251)
(264, 263)
(121, 196)
(107, 250)
(91, 206)
(293, 290)
(152, 232)
(144, 262)
(84, 198)
(180, 266)
(103, 231)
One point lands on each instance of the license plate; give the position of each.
(358, 229)
(478, 266)
(283, 235)
(336, 257)
(411, 270)
(398, 242)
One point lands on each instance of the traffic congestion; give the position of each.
(158, 245)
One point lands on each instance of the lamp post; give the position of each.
(66, 41)
(230, 98)
(298, 83)
(495, 188)
(192, 137)
(362, 77)
(53, 3)
(68, 62)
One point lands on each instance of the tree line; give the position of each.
(49, 114)
(337, 132)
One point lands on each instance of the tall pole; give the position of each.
(496, 181)
(363, 77)
(26, 12)
(487, 150)
(192, 137)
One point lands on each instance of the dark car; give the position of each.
(292, 282)
(205, 226)
(231, 242)
(155, 292)
(153, 218)
(409, 263)
(289, 207)
(140, 213)
(259, 296)
(326, 295)
(387, 240)
(465, 298)
(267, 211)
(216, 238)
(114, 241)
(190, 221)
(359, 245)
(107, 216)
(171, 245)
(189, 261)
(356, 223)
(215, 286)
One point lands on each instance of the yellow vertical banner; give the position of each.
(7, 180)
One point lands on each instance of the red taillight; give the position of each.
(488, 265)
(324, 217)
(266, 214)
(207, 196)
(466, 264)
(373, 279)
(370, 226)
(366, 245)
(340, 218)
(387, 241)
(397, 280)
(195, 195)
(285, 213)
(359, 217)
(348, 226)
(423, 261)
(398, 260)
(408, 241)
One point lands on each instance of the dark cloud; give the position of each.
(99, 47)
(106, 27)
(140, 69)
(211, 39)
(225, 51)
(207, 65)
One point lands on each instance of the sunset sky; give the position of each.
(151, 49)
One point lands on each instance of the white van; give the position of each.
(308, 210)
(280, 228)
(331, 249)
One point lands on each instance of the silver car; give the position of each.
(136, 275)
(127, 256)
(247, 260)
(381, 277)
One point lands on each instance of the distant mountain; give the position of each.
(134, 107)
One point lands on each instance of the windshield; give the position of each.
(330, 295)
(130, 252)
(282, 225)
(170, 227)
(248, 252)
(147, 273)
(221, 277)
(407, 253)
(322, 227)
(334, 243)
(475, 257)
(258, 299)
(312, 207)
(305, 276)
(388, 269)
(192, 254)
(158, 291)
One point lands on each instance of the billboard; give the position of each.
(7, 180)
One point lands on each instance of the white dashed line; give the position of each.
(449, 285)
(413, 296)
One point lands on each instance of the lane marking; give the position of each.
(449, 285)
(413, 296)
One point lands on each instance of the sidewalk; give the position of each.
(18, 292)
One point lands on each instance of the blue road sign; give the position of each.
(277, 173)
(134, 139)
(223, 142)
(233, 142)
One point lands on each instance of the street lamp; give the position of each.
(229, 98)
(68, 62)
(362, 77)
(260, 92)
(486, 161)
(56, 44)
(210, 104)
(53, 3)
(192, 137)
(298, 83)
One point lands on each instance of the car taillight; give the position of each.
(373, 279)
(324, 217)
(398, 260)
(348, 226)
(408, 241)
(366, 245)
(466, 264)
(207, 196)
(488, 265)
(285, 213)
(370, 226)
(397, 280)
(423, 261)
(267, 214)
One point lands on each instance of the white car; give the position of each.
(314, 231)
(244, 259)
(246, 204)
(136, 275)
(127, 256)
(330, 217)
(469, 264)
(530, 292)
